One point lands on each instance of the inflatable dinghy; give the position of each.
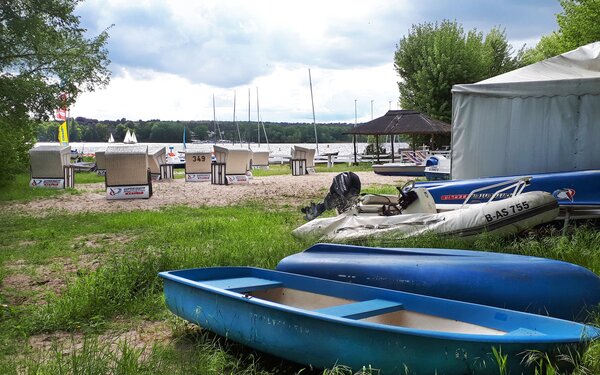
(576, 192)
(516, 282)
(391, 217)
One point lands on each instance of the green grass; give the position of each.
(19, 190)
(344, 167)
(124, 289)
(274, 170)
(284, 169)
(87, 178)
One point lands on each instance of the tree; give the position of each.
(577, 26)
(43, 53)
(433, 57)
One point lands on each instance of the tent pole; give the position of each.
(377, 147)
(354, 142)
(393, 148)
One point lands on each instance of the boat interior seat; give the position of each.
(362, 309)
(379, 199)
(524, 332)
(243, 284)
(370, 208)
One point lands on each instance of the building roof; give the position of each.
(402, 121)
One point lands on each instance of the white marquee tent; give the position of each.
(544, 117)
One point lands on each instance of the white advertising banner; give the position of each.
(128, 192)
(237, 179)
(52, 183)
(197, 177)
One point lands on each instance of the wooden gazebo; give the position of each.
(402, 121)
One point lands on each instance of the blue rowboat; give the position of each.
(321, 323)
(576, 192)
(524, 283)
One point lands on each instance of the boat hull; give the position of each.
(321, 340)
(399, 169)
(505, 217)
(436, 175)
(576, 192)
(522, 283)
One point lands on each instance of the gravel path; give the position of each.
(276, 190)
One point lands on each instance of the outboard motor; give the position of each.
(343, 192)
(432, 160)
(415, 200)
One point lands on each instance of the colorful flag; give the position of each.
(63, 133)
(61, 114)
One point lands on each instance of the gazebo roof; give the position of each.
(402, 121)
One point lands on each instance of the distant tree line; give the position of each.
(83, 129)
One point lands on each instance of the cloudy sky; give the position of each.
(170, 57)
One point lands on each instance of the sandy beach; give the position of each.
(276, 190)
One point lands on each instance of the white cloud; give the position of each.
(170, 57)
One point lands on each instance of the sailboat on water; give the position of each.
(127, 137)
(130, 138)
(111, 139)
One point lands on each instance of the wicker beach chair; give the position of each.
(100, 162)
(157, 162)
(231, 165)
(51, 163)
(127, 166)
(303, 160)
(260, 159)
(198, 161)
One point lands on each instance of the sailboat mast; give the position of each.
(313, 110)
(259, 121)
(257, 117)
(248, 115)
(234, 121)
(215, 120)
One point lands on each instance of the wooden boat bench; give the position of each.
(243, 284)
(362, 309)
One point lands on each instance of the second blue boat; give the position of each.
(516, 282)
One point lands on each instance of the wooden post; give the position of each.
(377, 147)
(354, 142)
(392, 148)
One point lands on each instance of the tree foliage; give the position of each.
(91, 130)
(578, 25)
(435, 56)
(43, 52)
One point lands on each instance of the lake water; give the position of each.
(276, 149)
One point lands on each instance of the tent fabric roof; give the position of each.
(402, 121)
(572, 73)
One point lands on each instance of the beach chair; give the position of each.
(260, 160)
(100, 163)
(303, 160)
(198, 163)
(50, 167)
(127, 173)
(232, 166)
(157, 162)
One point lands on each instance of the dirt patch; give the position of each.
(142, 337)
(273, 190)
(95, 241)
(31, 284)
